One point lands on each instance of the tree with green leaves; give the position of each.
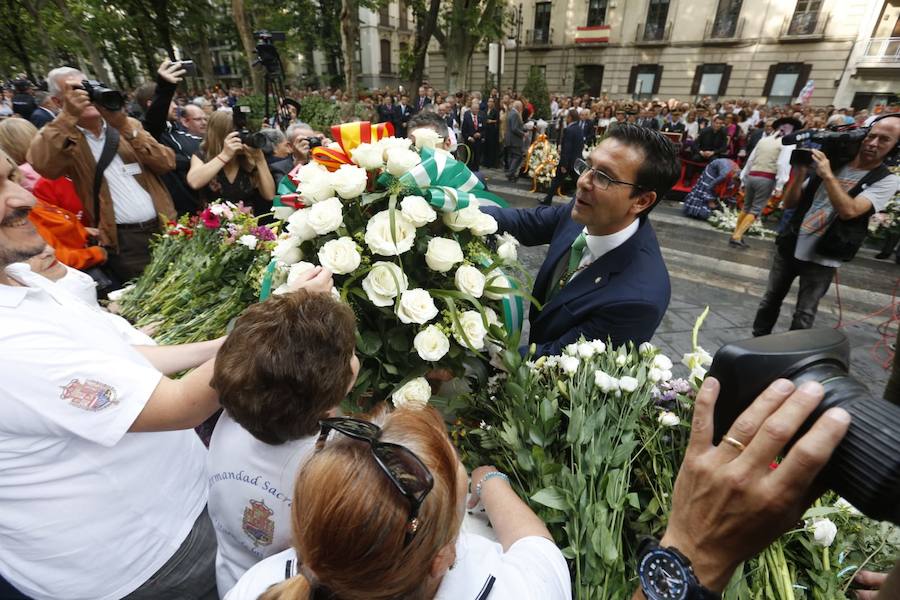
(536, 92)
(463, 26)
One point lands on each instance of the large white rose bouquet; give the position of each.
(404, 236)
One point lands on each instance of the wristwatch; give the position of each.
(666, 574)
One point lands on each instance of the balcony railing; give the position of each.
(390, 69)
(805, 25)
(387, 21)
(539, 37)
(652, 33)
(882, 50)
(723, 30)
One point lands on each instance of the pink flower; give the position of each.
(263, 233)
(209, 220)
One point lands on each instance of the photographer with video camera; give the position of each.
(93, 142)
(832, 212)
(230, 163)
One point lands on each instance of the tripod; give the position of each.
(267, 56)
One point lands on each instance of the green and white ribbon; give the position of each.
(447, 183)
(513, 305)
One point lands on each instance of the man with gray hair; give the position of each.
(515, 133)
(126, 209)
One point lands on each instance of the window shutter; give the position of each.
(805, 70)
(632, 79)
(723, 84)
(698, 76)
(770, 78)
(657, 79)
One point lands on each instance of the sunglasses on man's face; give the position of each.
(405, 470)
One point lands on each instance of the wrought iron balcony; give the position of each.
(882, 51)
(649, 34)
(539, 37)
(805, 25)
(723, 30)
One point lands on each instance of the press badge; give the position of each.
(132, 169)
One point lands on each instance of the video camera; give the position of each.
(111, 100)
(253, 139)
(266, 52)
(839, 144)
(865, 467)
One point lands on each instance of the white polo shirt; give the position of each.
(87, 510)
(131, 202)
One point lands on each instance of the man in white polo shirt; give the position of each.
(102, 497)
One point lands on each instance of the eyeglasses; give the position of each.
(599, 179)
(405, 470)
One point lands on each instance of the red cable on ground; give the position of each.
(883, 328)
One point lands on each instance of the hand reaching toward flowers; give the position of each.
(317, 280)
(728, 504)
(875, 584)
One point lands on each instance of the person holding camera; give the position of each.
(230, 169)
(829, 224)
(95, 145)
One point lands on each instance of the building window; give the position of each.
(588, 80)
(655, 27)
(711, 80)
(542, 23)
(727, 16)
(386, 57)
(644, 80)
(784, 82)
(384, 16)
(596, 12)
(404, 26)
(806, 16)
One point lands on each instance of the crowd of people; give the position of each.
(108, 493)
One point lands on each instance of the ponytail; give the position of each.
(297, 587)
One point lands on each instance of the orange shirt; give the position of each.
(62, 230)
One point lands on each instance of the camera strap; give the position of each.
(110, 147)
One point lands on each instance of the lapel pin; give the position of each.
(598, 280)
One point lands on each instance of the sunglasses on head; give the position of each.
(405, 470)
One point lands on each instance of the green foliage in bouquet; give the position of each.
(205, 270)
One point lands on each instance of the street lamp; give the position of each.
(518, 44)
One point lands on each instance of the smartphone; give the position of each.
(190, 70)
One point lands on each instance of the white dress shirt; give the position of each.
(598, 245)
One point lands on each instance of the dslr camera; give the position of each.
(100, 95)
(253, 139)
(839, 144)
(865, 467)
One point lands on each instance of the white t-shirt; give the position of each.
(89, 511)
(532, 569)
(251, 488)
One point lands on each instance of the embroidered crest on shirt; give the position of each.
(258, 523)
(89, 395)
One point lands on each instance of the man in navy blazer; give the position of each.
(616, 287)
(472, 127)
(570, 150)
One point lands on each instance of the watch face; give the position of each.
(663, 577)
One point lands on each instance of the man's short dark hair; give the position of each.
(144, 94)
(573, 114)
(431, 120)
(660, 168)
(286, 364)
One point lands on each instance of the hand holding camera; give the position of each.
(173, 72)
(231, 146)
(821, 164)
(75, 100)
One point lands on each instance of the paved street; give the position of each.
(705, 271)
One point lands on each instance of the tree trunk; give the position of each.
(86, 40)
(161, 10)
(349, 40)
(243, 27)
(426, 24)
(204, 58)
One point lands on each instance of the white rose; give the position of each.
(598, 346)
(495, 279)
(283, 213)
(492, 317)
(431, 344)
(400, 161)
(340, 256)
(646, 348)
(662, 362)
(654, 375)
(298, 225)
(442, 254)
(462, 219)
(248, 240)
(416, 306)
(287, 250)
(298, 269)
(368, 156)
(326, 216)
(824, 531)
(417, 210)
(469, 280)
(387, 143)
(349, 181)
(621, 359)
(628, 384)
(415, 393)
(485, 224)
(315, 183)
(426, 138)
(666, 376)
(569, 364)
(571, 349)
(379, 238)
(605, 382)
(380, 285)
(507, 247)
(668, 418)
(470, 324)
(586, 349)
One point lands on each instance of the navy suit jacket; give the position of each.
(572, 145)
(621, 296)
(468, 125)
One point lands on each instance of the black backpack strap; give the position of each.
(110, 147)
(873, 176)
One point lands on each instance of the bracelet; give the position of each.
(490, 475)
(224, 162)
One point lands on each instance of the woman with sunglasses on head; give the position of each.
(378, 511)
